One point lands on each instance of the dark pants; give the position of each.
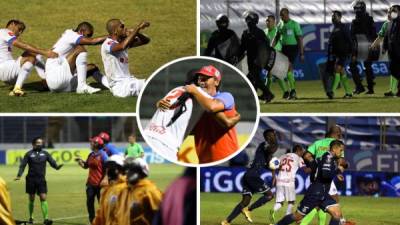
(91, 193)
(368, 74)
(255, 79)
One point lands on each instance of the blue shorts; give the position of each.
(311, 200)
(252, 183)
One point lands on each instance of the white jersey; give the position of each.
(6, 39)
(116, 64)
(174, 135)
(67, 42)
(290, 163)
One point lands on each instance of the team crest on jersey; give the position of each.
(113, 199)
(11, 33)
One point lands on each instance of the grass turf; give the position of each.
(312, 98)
(172, 33)
(66, 191)
(215, 207)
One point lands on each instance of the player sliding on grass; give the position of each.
(60, 72)
(36, 183)
(114, 53)
(16, 71)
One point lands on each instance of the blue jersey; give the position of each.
(326, 171)
(111, 149)
(261, 158)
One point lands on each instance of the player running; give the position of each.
(252, 181)
(317, 195)
(16, 71)
(114, 53)
(285, 181)
(60, 72)
(36, 160)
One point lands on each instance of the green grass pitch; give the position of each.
(66, 191)
(172, 32)
(215, 207)
(312, 98)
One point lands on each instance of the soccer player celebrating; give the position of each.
(252, 182)
(16, 71)
(290, 34)
(317, 195)
(95, 163)
(36, 183)
(73, 57)
(285, 181)
(114, 53)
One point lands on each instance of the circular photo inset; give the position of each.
(197, 111)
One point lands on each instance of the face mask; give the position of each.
(38, 148)
(393, 15)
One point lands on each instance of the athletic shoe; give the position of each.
(47, 222)
(30, 220)
(398, 94)
(348, 96)
(329, 94)
(272, 216)
(17, 91)
(269, 98)
(359, 90)
(389, 94)
(293, 95)
(225, 223)
(86, 89)
(370, 92)
(285, 95)
(247, 214)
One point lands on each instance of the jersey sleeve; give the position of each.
(75, 38)
(312, 149)
(104, 156)
(383, 29)
(22, 166)
(51, 161)
(227, 99)
(9, 37)
(297, 30)
(109, 46)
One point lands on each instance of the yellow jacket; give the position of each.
(6, 217)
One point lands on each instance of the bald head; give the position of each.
(112, 25)
(335, 132)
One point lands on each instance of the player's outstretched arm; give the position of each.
(209, 104)
(53, 162)
(132, 33)
(22, 166)
(225, 121)
(92, 41)
(139, 40)
(30, 48)
(81, 163)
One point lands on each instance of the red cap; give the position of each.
(210, 71)
(97, 139)
(105, 136)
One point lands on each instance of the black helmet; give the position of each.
(251, 17)
(222, 21)
(360, 7)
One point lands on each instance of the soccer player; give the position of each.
(73, 57)
(285, 181)
(339, 51)
(141, 199)
(134, 149)
(36, 160)
(270, 31)
(95, 163)
(317, 195)
(290, 34)
(214, 139)
(363, 24)
(114, 53)
(6, 216)
(223, 43)
(16, 71)
(107, 212)
(108, 147)
(252, 181)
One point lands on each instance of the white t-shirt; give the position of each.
(290, 163)
(116, 64)
(68, 40)
(6, 39)
(174, 135)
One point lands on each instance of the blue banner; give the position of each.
(228, 179)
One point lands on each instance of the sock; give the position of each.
(291, 81)
(334, 221)
(81, 66)
(288, 219)
(30, 207)
(45, 209)
(24, 71)
(39, 66)
(261, 201)
(282, 85)
(269, 82)
(321, 217)
(100, 78)
(277, 206)
(308, 218)
(235, 212)
(394, 83)
(289, 208)
(345, 83)
(336, 82)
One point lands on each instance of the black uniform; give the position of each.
(257, 46)
(224, 45)
(392, 44)
(252, 182)
(317, 195)
(339, 45)
(35, 179)
(363, 25)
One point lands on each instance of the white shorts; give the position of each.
(162, 149)
(333, 189)
(283, 193)
(58, 75)
(129, 86)
(9, 70)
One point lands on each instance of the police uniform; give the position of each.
(223, 44)
(392, 43)
(252, 182)
(35, 180)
